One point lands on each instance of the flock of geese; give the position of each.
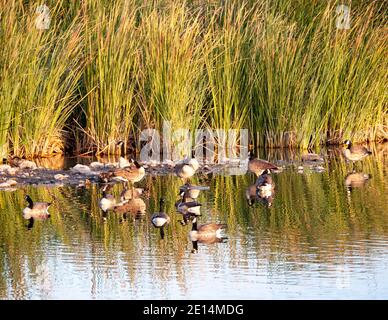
(131, 172)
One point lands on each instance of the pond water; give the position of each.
(317, 240)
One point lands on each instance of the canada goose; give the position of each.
(108, 201)
(309, 157)
(131, 193)
(262, 189)
(192, 191)
(38, 210)
(129, 174)
(257, 166)
(207, 231)
(187, 208)
(160, 219)
(356, 180)
(187, 169)
(355, 153)
(265, 184)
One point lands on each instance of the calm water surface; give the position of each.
(318, 240)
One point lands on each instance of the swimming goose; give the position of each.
(206, 232)
(262, 190)
(187, 207)
(108, 201)
(38, 210)
(265, 184)
(187, 169)
(160, 219)
(355, 153)
(257, 166)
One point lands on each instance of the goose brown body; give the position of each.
(38, 210)
(355, 153)
(134, 173)
(132, 206)
(131, 193)
(258, 166)
(205, 231)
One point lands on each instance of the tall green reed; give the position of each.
(40, 72)
(112, 44)
(173, 84)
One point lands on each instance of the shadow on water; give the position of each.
(324, 235)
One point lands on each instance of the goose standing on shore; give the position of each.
(132, 174)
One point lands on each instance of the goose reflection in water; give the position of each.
(136, 208)
(356, 180)
(263, 190)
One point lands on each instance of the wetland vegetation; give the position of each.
(104, 70)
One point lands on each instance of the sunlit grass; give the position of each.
(105, 71)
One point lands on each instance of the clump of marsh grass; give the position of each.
(173, 83)
(40, 70)
(113, 40)
(111, 69)
(318, 84)
(227, 55)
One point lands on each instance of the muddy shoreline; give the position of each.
(12, 178)
(62, 170)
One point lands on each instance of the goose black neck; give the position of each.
(195, 226)
(195, 245)
(30, 202)
(137, 164)
(30, 223)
